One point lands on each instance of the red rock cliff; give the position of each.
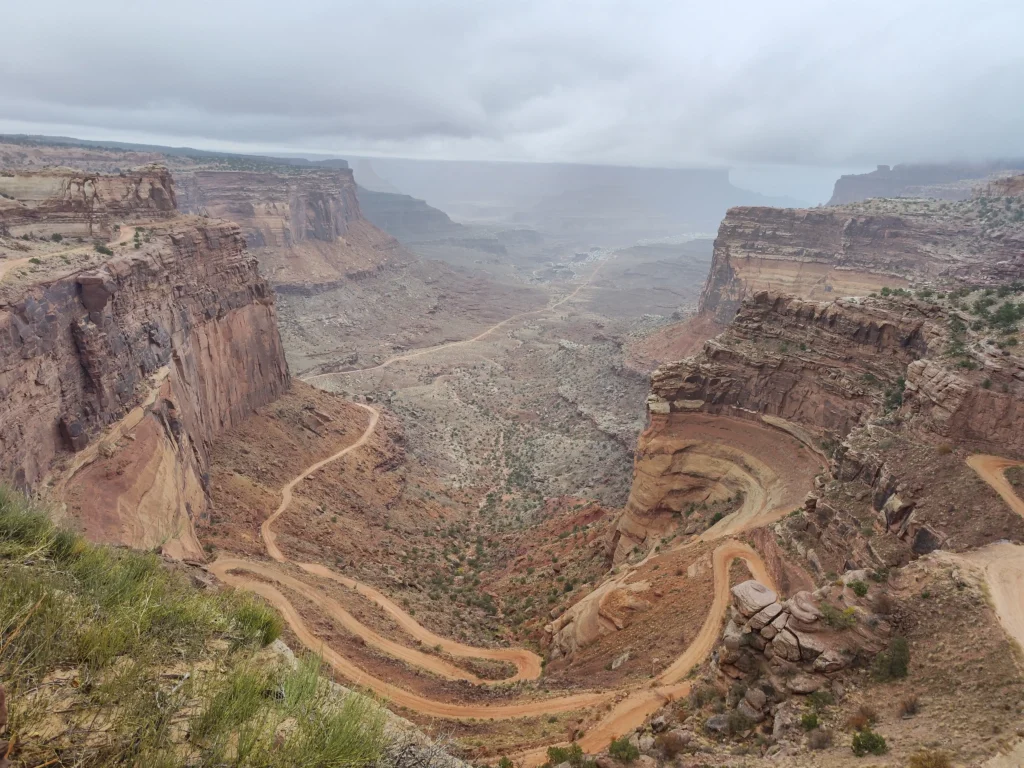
(117, 372)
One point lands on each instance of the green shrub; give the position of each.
(56, 237)
(505, 762)
(622, 750)
(809, 721)
(838, 619)
(104, 250)
(867, 742)
(819, 700)
(894, 662)
(859, 588)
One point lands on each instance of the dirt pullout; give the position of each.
(1003, 562)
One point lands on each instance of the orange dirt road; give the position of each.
(1002, 562)
(629, 707)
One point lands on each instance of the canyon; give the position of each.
(535, 492)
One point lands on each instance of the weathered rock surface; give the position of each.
(67, 203)
(118, 377)
(853, 250)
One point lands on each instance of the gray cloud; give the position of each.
(643, 82)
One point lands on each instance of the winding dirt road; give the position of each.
(462, 342)
(629, 707)
(1003, 562)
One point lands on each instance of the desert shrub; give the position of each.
(819, 700)
(836, 618)
(944, 449)
(894, 662)
(701, 695)
(505, 762)
(863, 718)
(809, 721)
(883, 604)
(56, 237)
(867, 742)
(622, 750)
(910, 705)
(859, 588)
(819, 739)
(930, 758)
(104, 250)
(738, 723)
(573, 755)
(35, 260)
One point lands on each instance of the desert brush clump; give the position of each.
(110, 658)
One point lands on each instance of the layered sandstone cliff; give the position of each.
(855, 250)
(67, 203)
(305, 226)
(119, 368)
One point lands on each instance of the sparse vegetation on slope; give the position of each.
(110, 658)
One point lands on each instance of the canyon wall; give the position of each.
(118, 370)
(855, 250)
(69, 203)
(405, 217)
(305, 226)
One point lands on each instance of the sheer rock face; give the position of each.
(65, 202)
(747, 414)
(854, 250)
(305, 226)
(115, 378)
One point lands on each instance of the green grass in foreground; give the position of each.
(109, 658)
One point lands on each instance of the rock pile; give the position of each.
(793, 639)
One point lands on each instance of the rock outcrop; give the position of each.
(69, 203)
(855, 250)
(304, 225)
(118, 371)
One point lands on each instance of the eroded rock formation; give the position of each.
(67, 203)
(305, 226)
(855, 250)
(117, 372)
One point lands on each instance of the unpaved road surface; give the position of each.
(463, 342)
(1002, 562)
(631, 706)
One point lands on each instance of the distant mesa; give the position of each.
(945, 181)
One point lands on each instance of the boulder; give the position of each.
(804, 613)
(756, 697)
(646, 743)
(786, 645)
(811, 646)
(749, 712)
(802, 683)
(717, 723)
(752, 596)
(829, 661)
(659, 724)
(675, 740)
(764, 617)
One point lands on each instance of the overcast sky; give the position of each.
(640, 82)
